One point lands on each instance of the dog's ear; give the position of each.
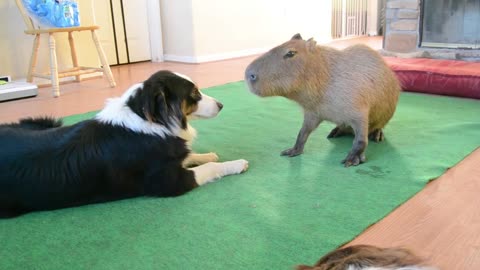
(162, 108)
(177, 112)
(155, 108)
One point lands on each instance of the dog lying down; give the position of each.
(364, 257)
(138, 145)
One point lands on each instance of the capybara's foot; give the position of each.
(336, 132)
(356, 155)
(292, 152)
(377, 135)
(354, 159)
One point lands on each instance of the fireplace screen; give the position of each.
(451, 24)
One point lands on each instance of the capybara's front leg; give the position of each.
(310, 123)
(356, 155)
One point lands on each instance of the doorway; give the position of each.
(124, 30)
(349, 18)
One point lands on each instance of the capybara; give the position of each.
(365, 257)
(352, 88)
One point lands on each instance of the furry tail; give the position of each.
(40, 123)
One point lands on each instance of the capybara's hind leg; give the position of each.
(357, 153)
(310, 123)
(377, 135)
(339, 131)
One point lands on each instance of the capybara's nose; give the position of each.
(251, 76)
(219, 105)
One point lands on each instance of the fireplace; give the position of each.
(433, 28)
(451, 24)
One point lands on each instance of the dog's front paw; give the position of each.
(235, 166)
(210, 157)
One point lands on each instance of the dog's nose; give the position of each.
(219, 105)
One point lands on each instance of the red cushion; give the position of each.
(441, 77)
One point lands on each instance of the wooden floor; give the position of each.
(441, 223)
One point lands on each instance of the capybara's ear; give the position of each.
(311, 44)
(297, 36)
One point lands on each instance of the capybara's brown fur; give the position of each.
(352, 88)
(368, 257)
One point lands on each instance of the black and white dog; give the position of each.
(138, 145)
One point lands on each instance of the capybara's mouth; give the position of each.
(254, 90)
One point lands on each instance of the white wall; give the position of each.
(16, 46)
(224, 29)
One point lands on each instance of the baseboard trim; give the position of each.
(179, 58)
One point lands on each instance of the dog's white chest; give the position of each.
(188, 135)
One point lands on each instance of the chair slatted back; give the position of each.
(26, 18)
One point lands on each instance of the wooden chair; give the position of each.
(54, 74)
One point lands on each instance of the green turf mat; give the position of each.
(282, 212)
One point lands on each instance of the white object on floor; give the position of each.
(14, 90)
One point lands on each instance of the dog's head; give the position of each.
(168, 98)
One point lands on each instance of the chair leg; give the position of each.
(53, 66)
(73, 52)
(33, 59)
(103, 60)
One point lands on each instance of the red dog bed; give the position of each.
(441, 77)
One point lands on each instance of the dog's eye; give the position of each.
(196, 95)
(290, 54)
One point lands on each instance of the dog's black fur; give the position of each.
(45, 165)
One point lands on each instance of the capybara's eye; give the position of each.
(290, 54)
